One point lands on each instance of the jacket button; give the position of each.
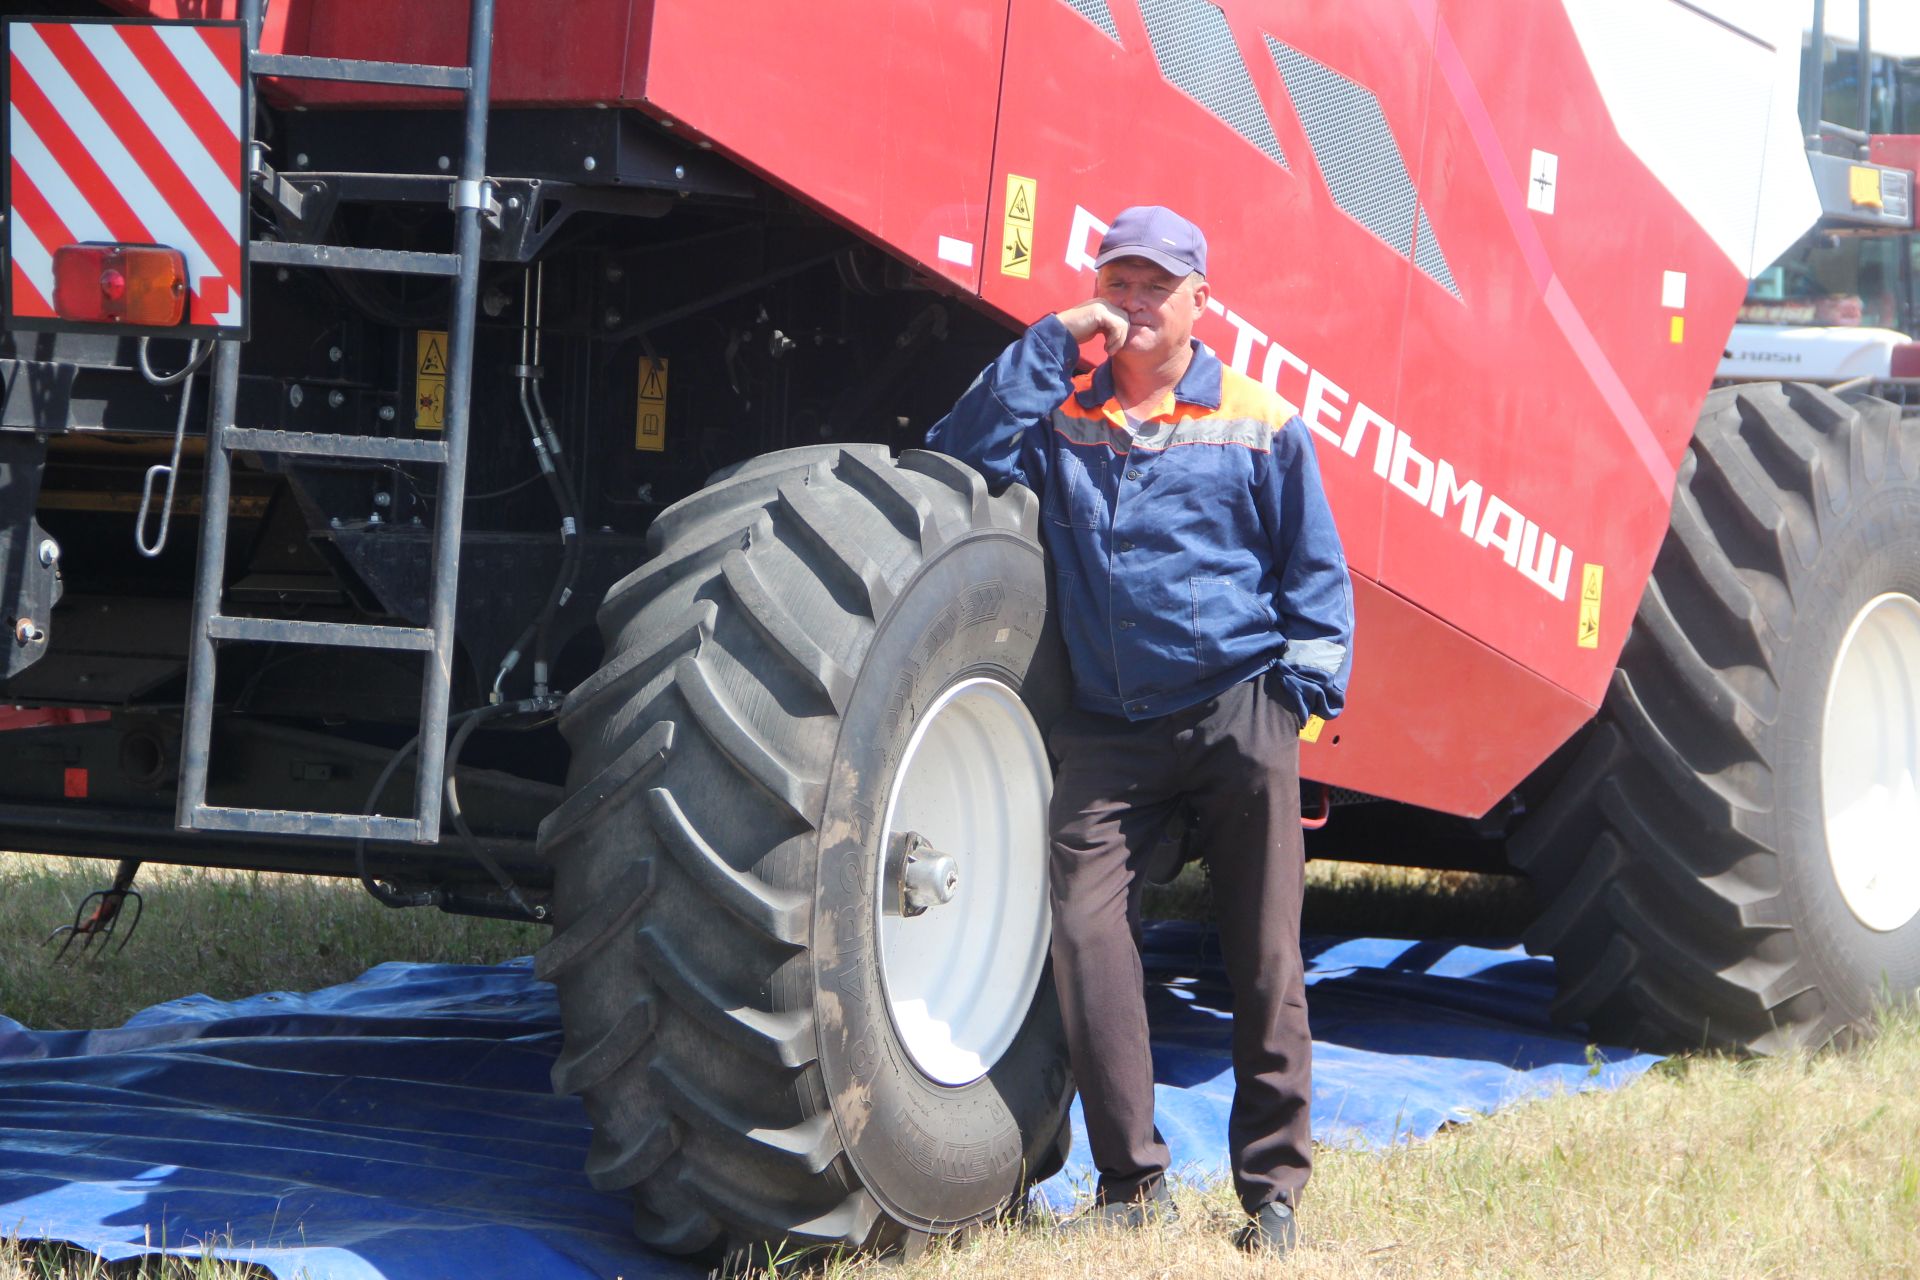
(1126, 624)
(1133, 475)
(1126, 546)
(1139, 708)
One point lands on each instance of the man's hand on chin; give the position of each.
(1095, 317)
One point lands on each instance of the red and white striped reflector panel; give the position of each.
(127, 133)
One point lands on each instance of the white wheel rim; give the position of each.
(1870, 763)
(959, 977)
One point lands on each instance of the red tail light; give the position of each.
(1905, 360)
(120, 284)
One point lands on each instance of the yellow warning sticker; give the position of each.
(1588, 636)
(1016, 227)
(1310, 731)
(430, 380)
(650, 419)
(1863, 185)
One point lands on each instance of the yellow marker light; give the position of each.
(1677, 329)
(1863, 185)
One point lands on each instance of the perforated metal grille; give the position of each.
(1197, 55)
(1352, 145)
(1361, 162)
(1427, 256)
(1097, 12)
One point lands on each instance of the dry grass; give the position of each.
(226, 934)
(1710, 1167)
(43, 1261)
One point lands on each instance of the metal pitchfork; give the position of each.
(109, 909)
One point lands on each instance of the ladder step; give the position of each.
(342, 635)
(324, 444)
(294, 822)
(403, 262)
(299, 67)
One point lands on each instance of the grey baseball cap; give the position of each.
(1157, 234)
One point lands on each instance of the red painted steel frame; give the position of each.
(1557, 378)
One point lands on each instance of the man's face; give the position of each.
(1160, 307)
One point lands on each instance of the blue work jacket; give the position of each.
(1188, 555)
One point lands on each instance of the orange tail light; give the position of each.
(120, 284)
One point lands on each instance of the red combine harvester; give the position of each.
(358, 353)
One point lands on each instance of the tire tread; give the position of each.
(686, 762)
(1653, 855)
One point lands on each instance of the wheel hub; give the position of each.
(962, 905)
(1870, 763)
(921, 877)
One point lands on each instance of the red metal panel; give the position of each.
(1436, 718)
(1559, 386)
(1551, 364)
(543, 54)
(1295, 279)
(38, 717)
(1551, 379)
(879, 111)
(553, 55)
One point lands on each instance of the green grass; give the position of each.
(1711, 1166)
(222, 933)
(40, 1260)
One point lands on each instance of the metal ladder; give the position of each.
(210, 625)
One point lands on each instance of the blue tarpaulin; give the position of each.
(402, 1125)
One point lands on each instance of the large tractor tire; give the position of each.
(1733, 858)
(790, 1017)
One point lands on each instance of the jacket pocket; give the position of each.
(1229, 625)
(1075, 497)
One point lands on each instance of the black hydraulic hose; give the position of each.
(387, 895)
(566, 494)
(570, 533)
(559, 476)
(537, 630)
(452, 806)
(196, 356)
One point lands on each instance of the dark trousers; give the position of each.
(1235, 761)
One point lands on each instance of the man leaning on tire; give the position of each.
(1207, 612)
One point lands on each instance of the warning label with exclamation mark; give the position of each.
(430, 380)
(1016, 228)
(650, 419)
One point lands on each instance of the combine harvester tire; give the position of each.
(790, 1020)
(1733, 858)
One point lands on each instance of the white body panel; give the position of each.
(1705, 134)
(1808, 354)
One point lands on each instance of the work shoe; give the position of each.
(1124, 1215)
(1271, 1232)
